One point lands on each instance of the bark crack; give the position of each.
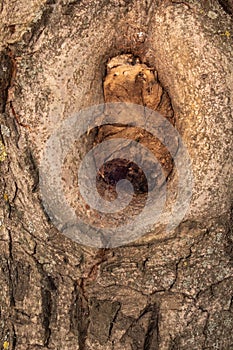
(152, 335)
(79, 316)
(113, 321)
(48, 289)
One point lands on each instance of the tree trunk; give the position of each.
(169, 288)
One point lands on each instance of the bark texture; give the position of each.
(168, 290)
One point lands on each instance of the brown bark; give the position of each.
(167, 290)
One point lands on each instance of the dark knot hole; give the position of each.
(112, 171)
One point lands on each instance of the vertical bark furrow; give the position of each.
(79, 316)
(6, 69)
(152, 335)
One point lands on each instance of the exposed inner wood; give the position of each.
(127, 80)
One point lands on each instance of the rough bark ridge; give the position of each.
(166, 291)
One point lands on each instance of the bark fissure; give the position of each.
(173, 291)
(152, 335)
(6, 72)
(41, 25)
(10, 270)
(113, 321)
(48, 300)
(79, 316)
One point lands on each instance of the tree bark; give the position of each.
(168, 289)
